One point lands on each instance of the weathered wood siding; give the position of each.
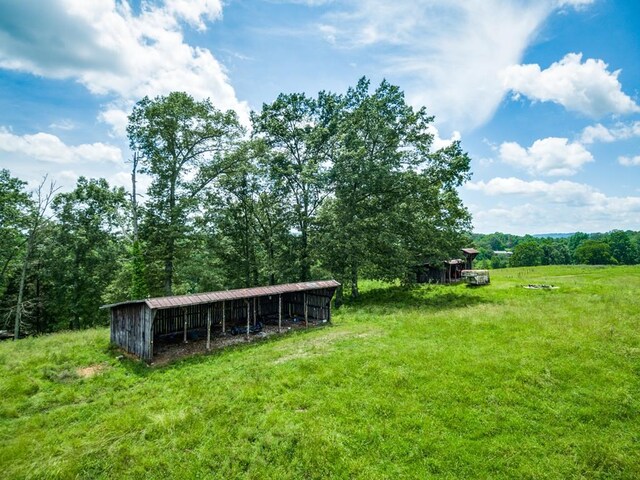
(131, 329)
(134, 325)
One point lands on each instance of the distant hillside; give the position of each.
(552, 235)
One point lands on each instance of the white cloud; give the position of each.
(561, 206)
(577, 4)
(550, 156)
(64, 124)
(115, 53)
(451, 51)
(49, 148)
(629, 161)
(439, 142)
(588, 87)
(600, 133)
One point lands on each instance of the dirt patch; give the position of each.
(91, 370)
(540, 287)
(168, 353)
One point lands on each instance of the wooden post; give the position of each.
(185, 325)
(223, 317)
(254, 312)
(248, 318)
(153, 326)
(279, 313)
(329, 310)
(306, 315)
(209, 328)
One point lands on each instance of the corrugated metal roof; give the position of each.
(211, 297)
(470, 250)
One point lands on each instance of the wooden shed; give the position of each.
(469, 255)
(447, 271)
(138, 326)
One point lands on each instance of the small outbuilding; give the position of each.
(469, 255)
(447, 271)
(139, 326)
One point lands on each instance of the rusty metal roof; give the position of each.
(160, 303)
(470, 251)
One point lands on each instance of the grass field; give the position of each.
(434, 382)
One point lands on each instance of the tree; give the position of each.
(89, 248)
(294, 127)
(395, 201)
(527, 254)
(246, 222)
(183, 145)
(34, 224)
(594, 252)
(14, 207)
(555, 252)
(622, 249)
(575, 241)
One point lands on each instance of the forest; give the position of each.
(345, 186)
(612, 248)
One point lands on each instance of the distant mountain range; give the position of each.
(552, 235)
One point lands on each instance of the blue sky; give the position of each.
(544, 94)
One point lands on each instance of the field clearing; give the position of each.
(436, 381)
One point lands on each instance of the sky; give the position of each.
(544, 95)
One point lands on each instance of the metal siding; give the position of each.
(210, 297)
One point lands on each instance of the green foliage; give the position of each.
(299, 134)
(561, 249)
(184, 146)
(427, 382)
(85, 246)
(395, 201)
(594, 252)
(622, 249)
(527, 254)
(14, 205)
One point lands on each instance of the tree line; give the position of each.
(616, 247)
(335, 185)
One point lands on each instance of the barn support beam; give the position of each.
(223, 317)
(279, 313)
(248, 317)
(153, 327)
(254, 312)
(306, 311)
(209, 328)
(185, 326)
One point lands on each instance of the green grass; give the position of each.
(434, 382)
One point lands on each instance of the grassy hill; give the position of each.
(438, 381)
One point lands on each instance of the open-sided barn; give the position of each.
(138, 326)
(447, 271)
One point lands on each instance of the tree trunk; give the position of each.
(305, 269)
(168, 275)
(338, 301)
(134, 199)
(354, 282)
(23, 277)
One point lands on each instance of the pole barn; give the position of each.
(138, 326)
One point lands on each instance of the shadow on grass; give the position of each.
(143, 369)
(435, 297)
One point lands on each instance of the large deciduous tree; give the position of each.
(527, 254)
(183, 145)
(295, 129)
(88, 249)
(395, 200)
